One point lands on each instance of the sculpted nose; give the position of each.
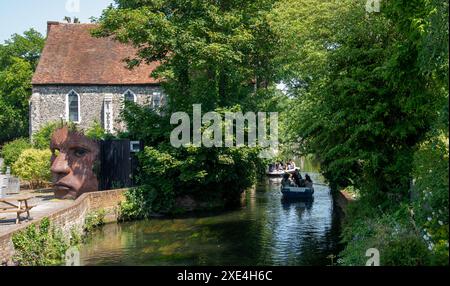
(60, 165)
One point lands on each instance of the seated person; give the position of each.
(308, 181)
(297, 178)
(292, 163)
(286, 182)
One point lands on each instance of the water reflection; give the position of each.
(267, 230)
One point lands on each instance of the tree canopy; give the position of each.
(18, 60)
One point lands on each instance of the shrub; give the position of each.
(41, 139)
(39, 246)
(12, 150)
(94, 220)
(393, 234)
(138, 203)
(96, 132)
(33, 166)
(430, 194)
(210, 176)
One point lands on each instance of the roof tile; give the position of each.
(72, 56)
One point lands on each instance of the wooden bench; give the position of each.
(10, 206)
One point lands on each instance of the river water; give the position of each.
(264, 231)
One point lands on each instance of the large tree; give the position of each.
(365, 98)
(212, 52)
(18, 60)
(215, 53)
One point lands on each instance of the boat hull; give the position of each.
(280, 173)
(297, 193)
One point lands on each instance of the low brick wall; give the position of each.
(70, 218)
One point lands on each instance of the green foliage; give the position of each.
(214, 53)
(363, 101)
(138, 204)
(93, 220)
(33, 165)
(11, 151)
(368, 88)
(165, 172)
(430, 196)
(96, 131)
(211, 51)
(39, 246)
(18, 60)
(393, 234)
(15, 90)
(42, 138)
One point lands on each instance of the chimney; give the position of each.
(49, 24)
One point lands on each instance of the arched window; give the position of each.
(129, 96)
(157, 99)
(73, 107)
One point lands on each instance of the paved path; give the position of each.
(45, 205)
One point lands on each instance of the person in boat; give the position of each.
(271, 167)
(288, 166)
(286, 181)
(292, 164)
(296, 176)
(298, 179)
(308, 181)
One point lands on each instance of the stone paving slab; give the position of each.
(44, 203)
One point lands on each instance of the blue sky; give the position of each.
(17, 16)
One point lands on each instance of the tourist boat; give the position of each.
(297, 193)
(280, 173)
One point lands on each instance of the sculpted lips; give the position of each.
(62, 186)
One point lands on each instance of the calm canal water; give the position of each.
(265, 231)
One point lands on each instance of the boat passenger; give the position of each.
(288, 166)
(286, 182)
(297, 178)
(308, 181)
(292, 164)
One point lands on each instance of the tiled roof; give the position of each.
(72, 56)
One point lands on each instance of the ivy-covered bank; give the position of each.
(46, 245)
(371, 90)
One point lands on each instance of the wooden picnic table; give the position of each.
(17, 204)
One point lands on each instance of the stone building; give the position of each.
(84, 79)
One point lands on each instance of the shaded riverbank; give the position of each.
(265, 231)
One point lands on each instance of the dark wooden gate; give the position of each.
(117, 164)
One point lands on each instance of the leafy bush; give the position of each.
(430, 194)
(41, 139)
(39, 246)
(210, 176)
(12, 150)
(96, 132)
(94, 220)
(393, 234)
(34, 166)
(137, 204)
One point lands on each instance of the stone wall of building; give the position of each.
(48, 103)
(71, 218)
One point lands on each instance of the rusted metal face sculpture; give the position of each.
(73, 163)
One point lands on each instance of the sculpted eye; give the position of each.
(80, 152)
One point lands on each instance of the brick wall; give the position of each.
(71, 218)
